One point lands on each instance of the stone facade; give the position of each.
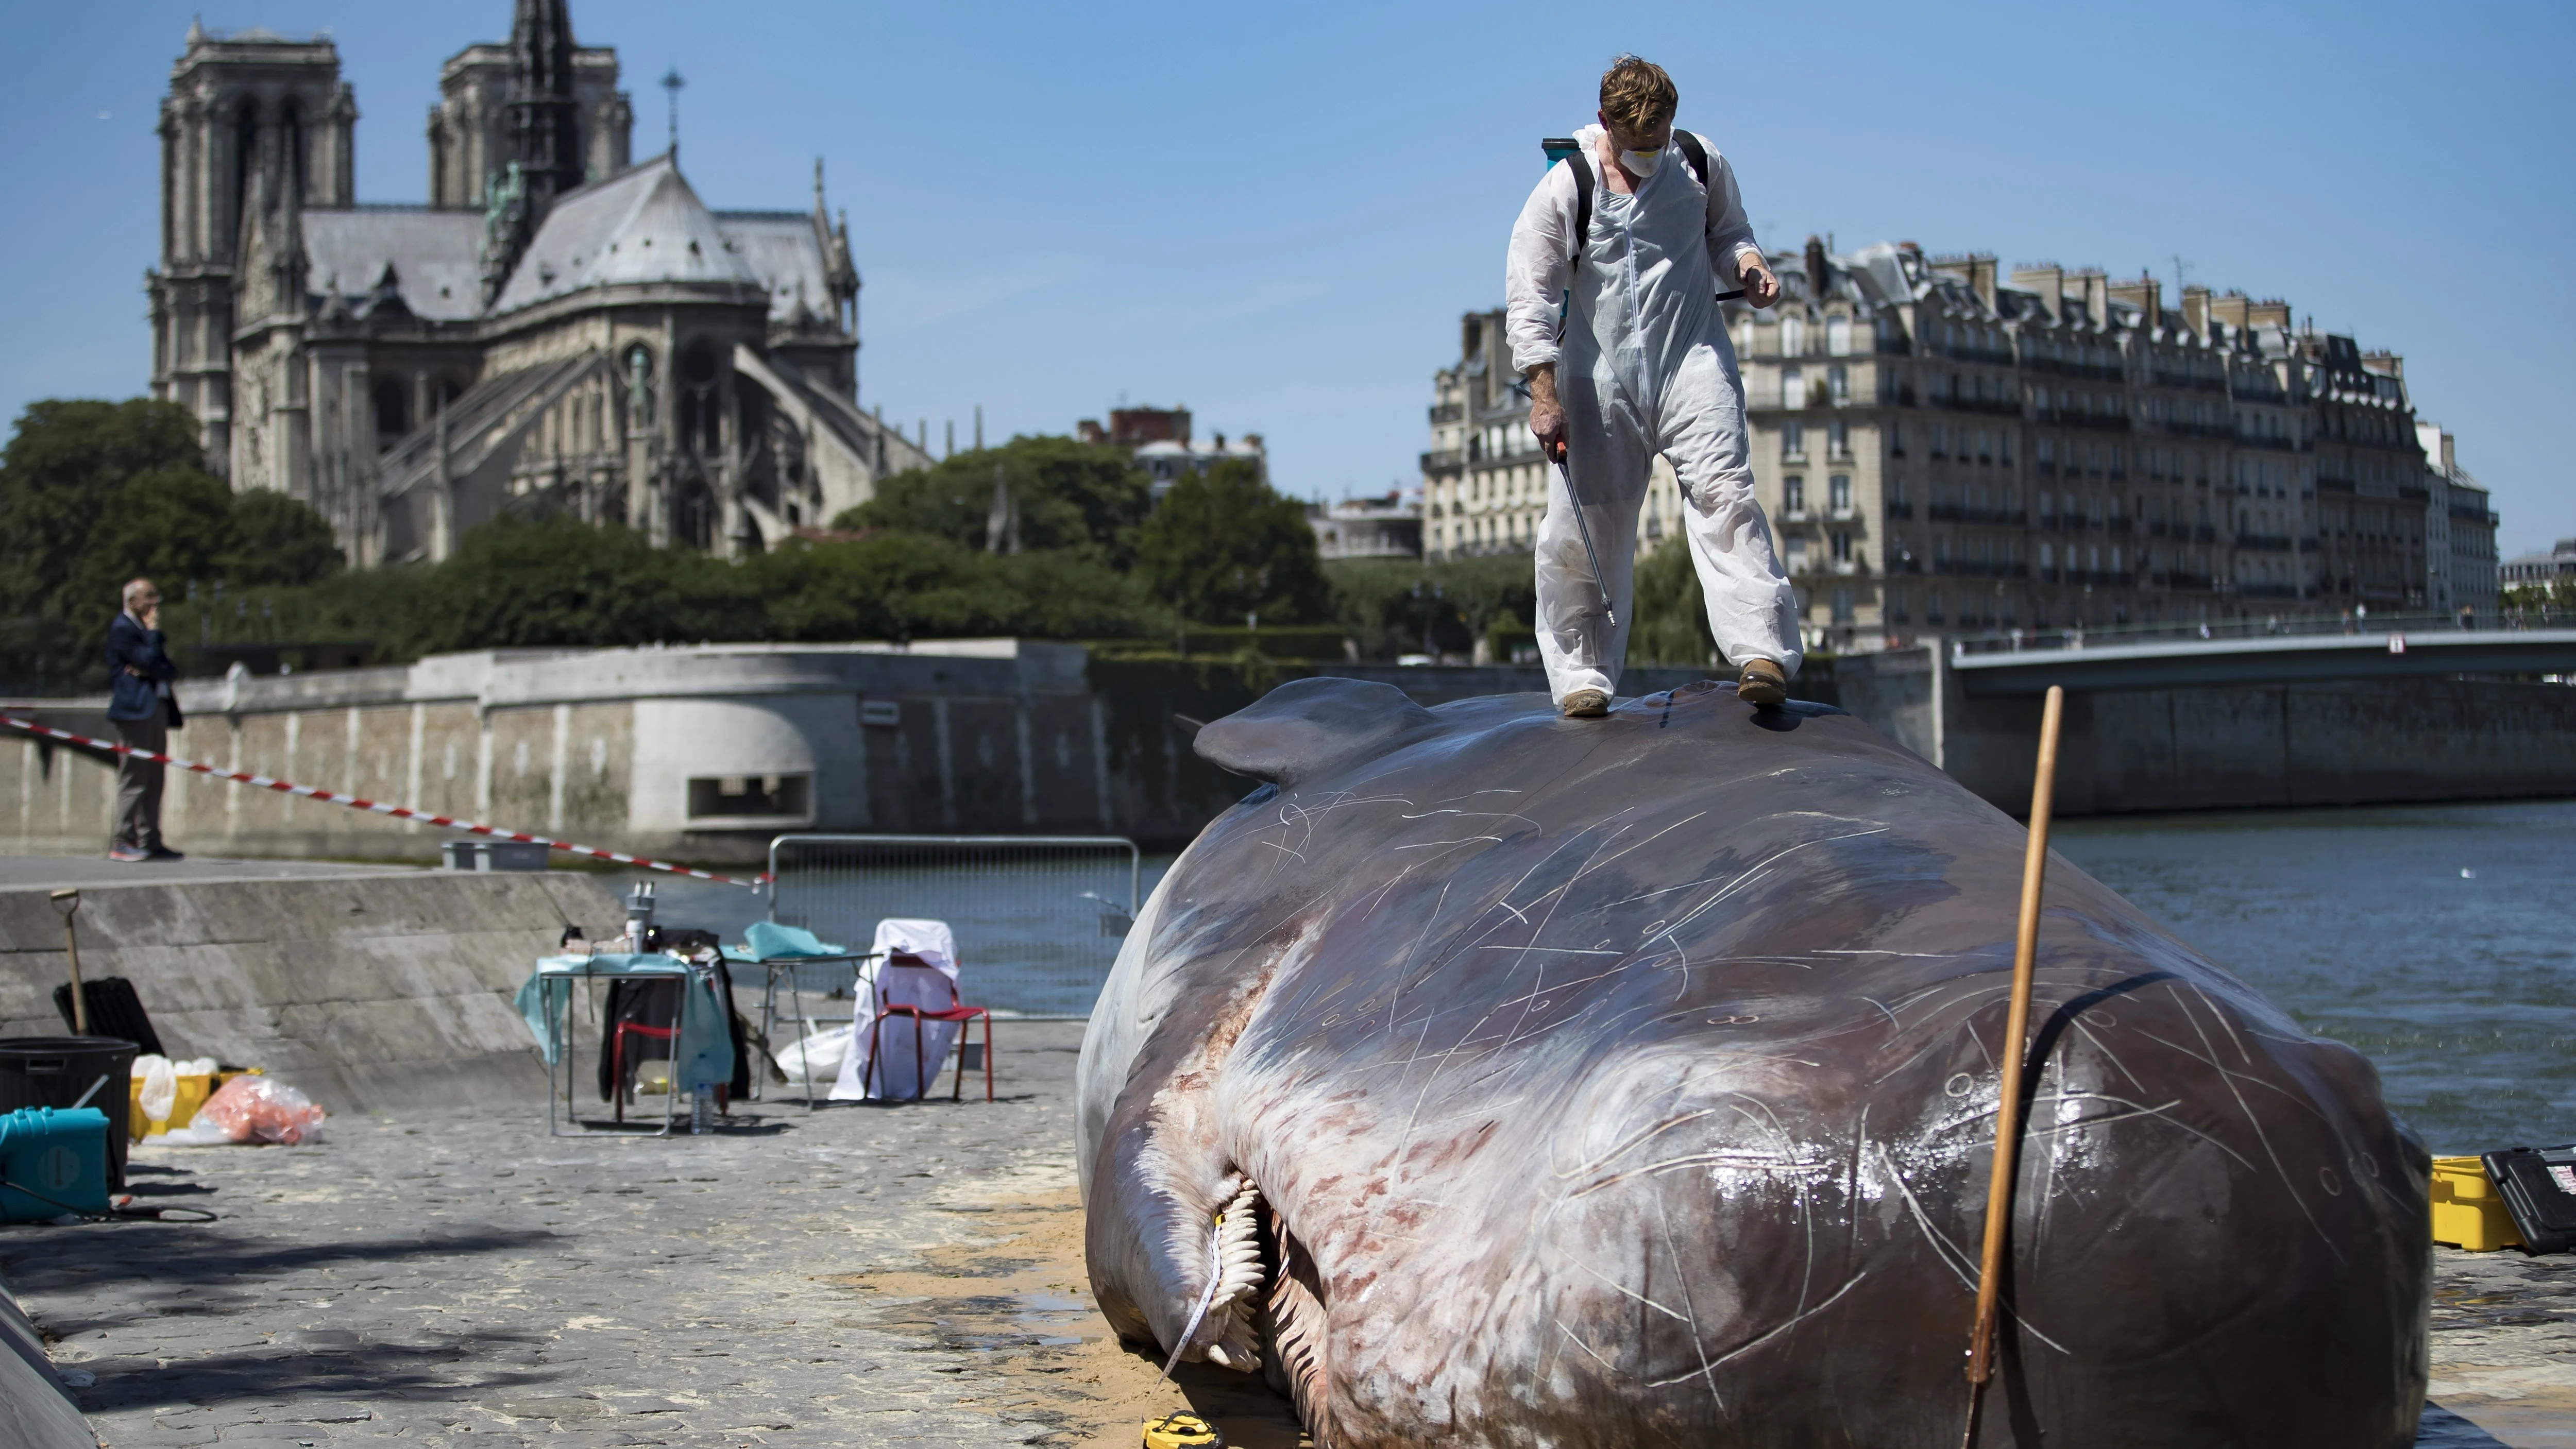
(1943, 449)
(557, 326)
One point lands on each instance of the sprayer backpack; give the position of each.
(1570, 151)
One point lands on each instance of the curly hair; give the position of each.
(1636, 95)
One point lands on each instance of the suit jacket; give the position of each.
(130, 645)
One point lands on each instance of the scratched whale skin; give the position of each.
(1634, 1081)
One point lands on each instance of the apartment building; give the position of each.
(1946, 449)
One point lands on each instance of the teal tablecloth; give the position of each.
(705, 1047)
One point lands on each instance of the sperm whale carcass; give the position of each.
(1491, 1078)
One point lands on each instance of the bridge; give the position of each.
(2306, 714)
(1998, 667)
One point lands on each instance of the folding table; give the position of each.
(702, 1051)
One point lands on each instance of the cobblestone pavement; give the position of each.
(863, 1275)
(896, 1275)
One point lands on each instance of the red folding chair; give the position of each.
(617, 1081)
(954, 1011)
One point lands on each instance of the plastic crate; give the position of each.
(2538, 1187)
(52, 1162)
(2468, 1212)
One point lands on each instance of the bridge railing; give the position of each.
(2372, 625)
(1038, 919)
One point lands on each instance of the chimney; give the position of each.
(2047, 280)
(1815, 269)
(1981, 277)
(2230, 308)
(2274, 313)
(2195, 311)
(2146, 294)
(2094, 289)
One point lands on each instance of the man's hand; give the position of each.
(1547, 417)
(1760, 287)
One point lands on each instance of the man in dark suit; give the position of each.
(145, 711)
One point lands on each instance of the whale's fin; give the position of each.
(1309, 728)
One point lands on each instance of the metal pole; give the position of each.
(1999, 1183)
(68, 902)
(1584, 527)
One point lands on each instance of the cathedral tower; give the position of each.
(237, 104)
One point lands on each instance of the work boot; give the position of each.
(1586, 704)
(1762, 683)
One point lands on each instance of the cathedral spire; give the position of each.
(545, 117)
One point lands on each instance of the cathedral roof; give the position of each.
(642, 225)
(782, 251)
(436, 256)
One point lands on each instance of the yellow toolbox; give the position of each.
(2468, 1212)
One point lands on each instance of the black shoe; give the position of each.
(163, 852)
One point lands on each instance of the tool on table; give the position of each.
(1999, 1184)
(68, 902)
(1584, 527)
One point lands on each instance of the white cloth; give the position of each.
(1644, 366)
(882, 1063)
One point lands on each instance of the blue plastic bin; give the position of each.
(52, 1161)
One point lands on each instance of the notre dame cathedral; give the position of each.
(558, 327)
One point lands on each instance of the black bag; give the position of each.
(114, 1011)
(2539, 1189)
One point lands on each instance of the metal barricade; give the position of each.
(1038, 918)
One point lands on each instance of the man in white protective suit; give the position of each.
(1640, 365)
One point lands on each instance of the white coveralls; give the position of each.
(1644, 367)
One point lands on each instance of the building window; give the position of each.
(1797, 554)
(1933, 611)
(1838, 336)
(1793, 387)
(1793, 337)
(1838, 439)
(759, 797)
(1842, 606)
(1838, 495)
(2047, 557)
(1793, 494)
(1838, 384)
(1793, 440)
(1842, 548)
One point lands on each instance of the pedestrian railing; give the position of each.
(1038, 918)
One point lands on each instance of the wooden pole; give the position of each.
(68, 902)
(1999, 1183)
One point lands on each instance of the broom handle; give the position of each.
(1999, 1183)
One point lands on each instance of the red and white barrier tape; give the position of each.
(399, 812)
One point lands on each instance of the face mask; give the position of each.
(1641, 163)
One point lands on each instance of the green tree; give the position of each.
(522, 581)
(1223, 545)
(1082, 498)
(277, 540)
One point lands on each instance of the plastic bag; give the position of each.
(262, 1109)
(819, 1054)
(160, 1090)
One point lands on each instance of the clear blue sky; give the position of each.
(1276, 214)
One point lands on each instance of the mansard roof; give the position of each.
(436, 257)
(643, 225)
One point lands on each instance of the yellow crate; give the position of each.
(193, 1092)
(2468, 1212)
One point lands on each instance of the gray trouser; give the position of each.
(138, 781)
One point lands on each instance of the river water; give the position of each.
(2434, 938)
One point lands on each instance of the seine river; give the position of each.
(2434, 938)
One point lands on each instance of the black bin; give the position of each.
(57, 1071)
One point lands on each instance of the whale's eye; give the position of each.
(1958, 1086)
